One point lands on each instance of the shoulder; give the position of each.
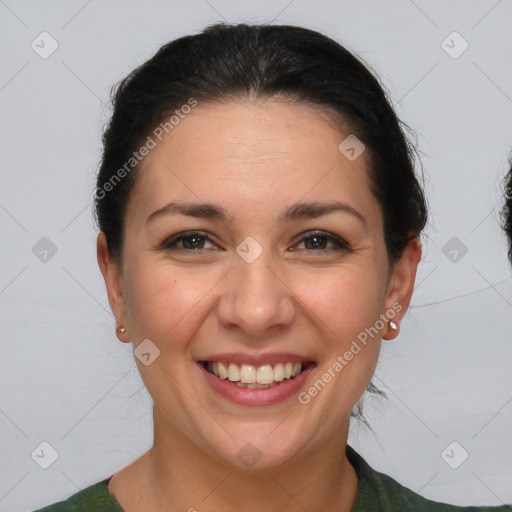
(379, 489)
(95, 497)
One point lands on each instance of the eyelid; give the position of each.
(340, 242)
(172, 241)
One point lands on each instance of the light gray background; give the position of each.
(67, 380)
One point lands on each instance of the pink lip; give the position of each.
(268, 396)
(257, 360)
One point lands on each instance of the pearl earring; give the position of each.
(393, 325)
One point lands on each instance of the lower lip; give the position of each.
(267, 396)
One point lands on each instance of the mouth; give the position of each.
(263, 376)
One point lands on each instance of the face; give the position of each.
(252, 241)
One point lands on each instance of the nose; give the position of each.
(256, 298)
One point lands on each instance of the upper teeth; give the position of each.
(248, 374)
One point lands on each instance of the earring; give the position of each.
(393, 325)
(121, 329)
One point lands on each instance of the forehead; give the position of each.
(251, 157)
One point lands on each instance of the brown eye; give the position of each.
(193, 242)
(316, 242)
(189, 241)
(321, 241)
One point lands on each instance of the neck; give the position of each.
(177, 472)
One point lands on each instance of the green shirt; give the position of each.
(376, 493)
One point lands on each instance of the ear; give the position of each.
(401, 286)
(113, 277)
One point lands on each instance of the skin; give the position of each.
(254, 159)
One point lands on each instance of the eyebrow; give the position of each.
(202, 210)
(294, 212)
(317, 209)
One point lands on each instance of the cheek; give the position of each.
(162, 301)
(345, 300)
(344, 307)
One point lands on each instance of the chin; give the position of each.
(259, 446)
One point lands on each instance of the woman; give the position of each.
(259, 217)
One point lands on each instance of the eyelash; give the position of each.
(170, 244)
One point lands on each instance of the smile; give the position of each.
(255, 377)
(256, 380)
